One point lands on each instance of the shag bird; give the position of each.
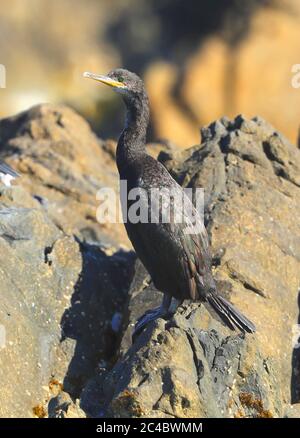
(7, 174)
(178, 262)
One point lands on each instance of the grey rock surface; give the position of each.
(63, 165)
(192, 366)
(59, 287)
(64, 279)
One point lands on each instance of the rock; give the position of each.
(34, 293)
(222, 73)
(62, 406)
(221, 59)
(191, 365)
(169, 119)
(63, 165)
(61, 286)
(231, 74)
(65, 312)
(101, 294)
(292, 411)
(177, 370)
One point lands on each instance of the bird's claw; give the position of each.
(149, 316)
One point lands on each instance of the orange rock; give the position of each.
(170, 121)
(254, 78)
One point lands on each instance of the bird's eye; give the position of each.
(121, 79)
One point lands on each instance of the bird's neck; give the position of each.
(132, 142)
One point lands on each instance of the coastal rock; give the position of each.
(191, 365)
(63, 165)
(69, 300)
(62, 284)
(62, 406)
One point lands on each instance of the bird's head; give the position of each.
(121, 80)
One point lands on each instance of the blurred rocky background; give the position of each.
(200, 60)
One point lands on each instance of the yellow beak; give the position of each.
(104, 79)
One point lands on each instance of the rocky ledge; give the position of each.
(71, 288)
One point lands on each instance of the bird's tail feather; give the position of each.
(229, 314)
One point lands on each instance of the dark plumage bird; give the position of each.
(7, 174)
(178, 262)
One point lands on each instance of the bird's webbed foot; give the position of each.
(166, 309)
(150, 315)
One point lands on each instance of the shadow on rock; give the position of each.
(95, 316)
(295, 379)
